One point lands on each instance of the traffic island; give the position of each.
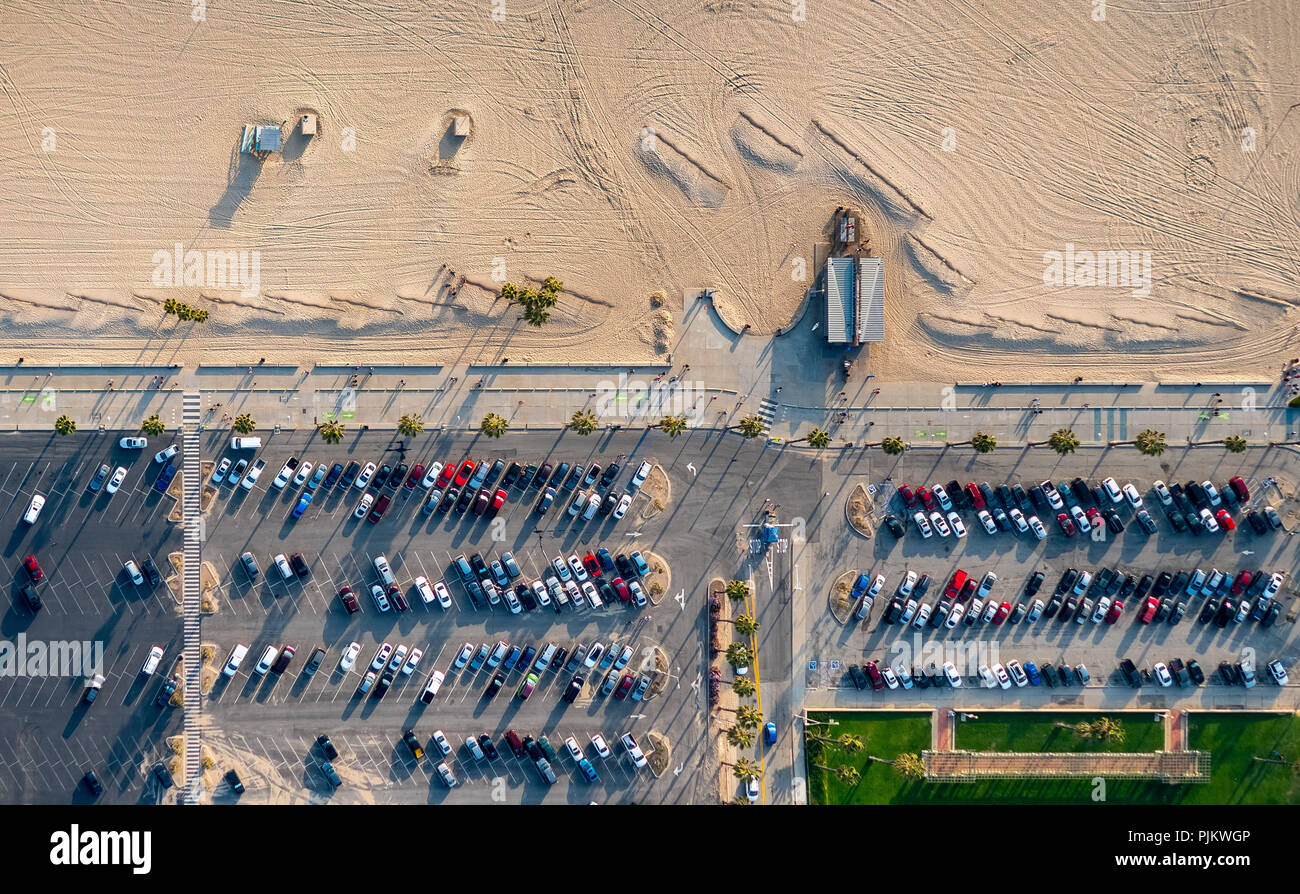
(840, 597)
(659, 579)
(660, 758)
(209, 581)
(658, 491)
(175, 490)
(858, 511)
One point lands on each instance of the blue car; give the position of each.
(1031, 671)
(588, 770)
(317, 478)
(512, 568)
(606, 560)
(303, 502)
(769, 733)
(499, 575)
(641, 567)
(100, 477)
(165, 478)
(860, 586)
(511, 658)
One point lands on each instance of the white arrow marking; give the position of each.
(636, 716)
(633, 534)
(678, 771)
(690, 467)
(681, 599)
(699, 678)
(1248, 552)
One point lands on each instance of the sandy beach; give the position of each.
(632, 148)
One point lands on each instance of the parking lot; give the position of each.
(1016, 556)
(264, 725)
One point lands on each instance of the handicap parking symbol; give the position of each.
(812, 665)
(835, 664)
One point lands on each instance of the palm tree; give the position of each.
(892, 446)
(244, 424)
(510, 292)
(64, 425)
(746, 625)
(1235, 444)
(1063, 441)
(495, 425)
(746, 770)
(410, 425)
(536, 316)
(739, 655)
(331, 431)
(748, 716)
(1108, 729)
(737, 590)
(751, 426)
(169, 306)
(740, 737)
(851, 743)
(583, 422)
(552, 286)
(910, 766)
(743, 687)
(1150, 442)
(673, 425)
(818, 438)
(848, 775)
(983, 443)
(153, 426)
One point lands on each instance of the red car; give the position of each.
(416, 476)
(33, 569)
(624, 686)
(466, 470)
(445, 476)
(498, 500)
(955, 585)
(1094, 518)
(621, 589)
(909, 499)
(592, 566)
(1225, 520)
(1115, 611)
(976, 498)
(968, 589)
(927, 499)
(1067, 525)
(1241, 583)
(877, 681)
(1003, 610)
(1239, 488)
(381, 506)
(1150, 611)
(349, 600)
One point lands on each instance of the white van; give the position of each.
(268, 658)
(431, 687)
(34, 509)
(544, 659)
(236, 656)
(385, 572)
(238, 443)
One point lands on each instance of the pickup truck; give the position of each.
(413, 743)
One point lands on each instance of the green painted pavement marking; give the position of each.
(348, 415)
(922, 434)
(28, 398)
(941, 434)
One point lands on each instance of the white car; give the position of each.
(382, 654)
(286, 472)
(1080, 519)
(384, 570)
(254, 472)
(954, 616)
(593, 654)
(890, 679)
(561, 568)
(34, 509)
(989, 611)
(472, 746)
(1112, 490)
(304, 472)
(906, 585)
(539, 591)
(575, 752)
(422, 587)
(1274, 584)
(367, 472)
(1001, 673)
(119, 475)
(1082, 584)
(986, 585)
(223, 467)
(942, 496)
(987, 521)
(1208, 520)
(512, 601)
(598, 742)
(633, 750)
(381, 598)
(922, 615)
(1278, 670)
(589, 590)
(639, 477)
(1037, 527)
(349, 656)
(151, 662)
(575, 595)
(922, 525)
(950, 672)
(133, 571)
(282, 563)
(1103, 606)
(1212, 493)
(1162, 493)
(364, 506)
(593, 503)
(1054, 496)
(1018, 519)
(431, 476)
(1131, 494)
(412, 661)
(638, 594)
(1162, 674)
(1018, 675)
(940, 524)
(623, 503)
(954, 521)
(133, 443)
(579, 503)
(908, 611)
(268, 658)
(876, 586)
(904, 676)
(163, 455)
(462, 657)
(441, 741)
(443, 594)
(399, 654)
(576, 565)
(987, 680)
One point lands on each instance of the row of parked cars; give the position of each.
(1080, 596)
(531, 662)
(595, 579)
(1189, 673)
(1078, 507)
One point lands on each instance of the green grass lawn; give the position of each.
(1232, 739)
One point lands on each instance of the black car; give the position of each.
(1162, 609)
(462, 502)
(1208, 611)
(399, 475)
(1048, 677)
(1034, 583)
(1018, 614)
(858, 677)
(529, 471)
(574, 687)
(1162, 584)
(894, 526)
(335, 472)
(299, 565)
(492, 474)
(1130, 671)
(512, 475)
(327, 747)
(1081, 491)
(1194, 525)
(314, 662)
(557, 660)
(1195, 672)
(1008, 499)
(92, 782)
(1022, 499)
(534, 750)
(449, 499)
(236, 784)
(956, 494)
(1053, 606)
(607, 505)
(1179, 672)
(1176, 613)
(1105, 577)
(31, 598)
(1068, 609)
(1197, 495)
(1229, 673)
(543, 475)
(1176, 519)
(1039, 496)
(919, 678)
(611, 472)
(626, 569)
(489, 749)
(1113, 521)
(1114, 584)
(1066, 675)
(891, 614)
(1067, 580)
(1179, 582)
(940, 613)
(151, 572)
(495, 686)
(1258, 582)
(526, 597)
(381, 477)
(1143, 587)
(350, 474)
(1226, 613)
(921, 588)
(1271, 617)
(384, 683)
(1126, 589)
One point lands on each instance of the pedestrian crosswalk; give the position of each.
(192, 519)
(767, 411)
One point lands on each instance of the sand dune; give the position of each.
(976, 138)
